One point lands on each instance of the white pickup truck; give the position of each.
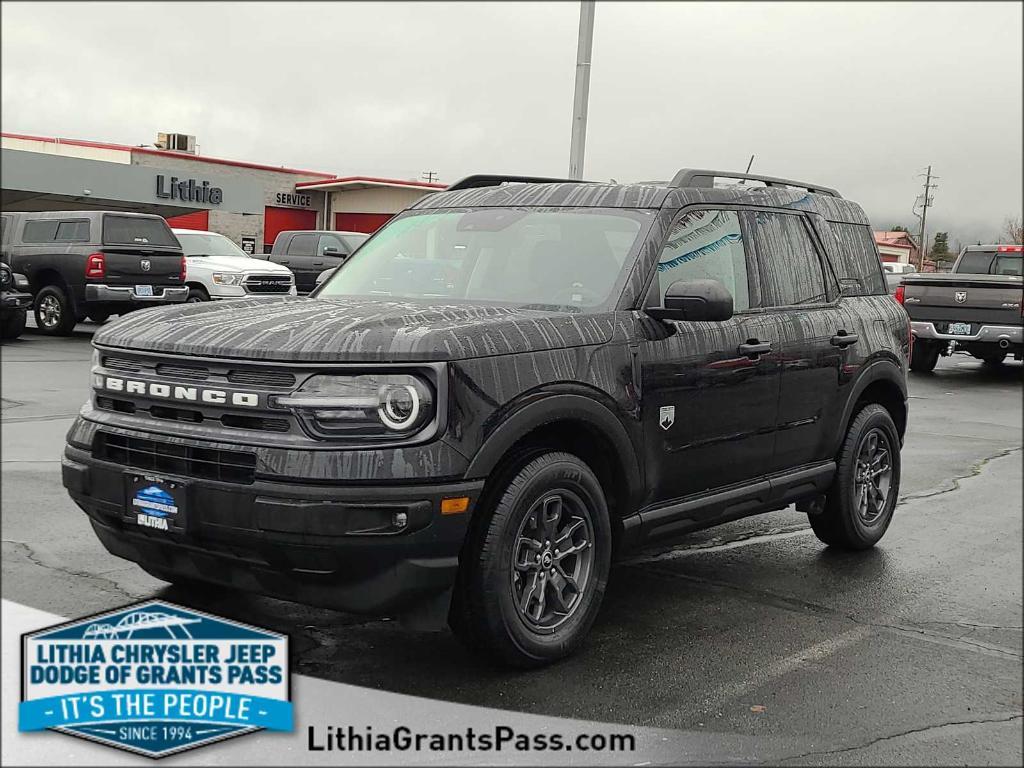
(219, 269)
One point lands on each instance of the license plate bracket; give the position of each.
(144, 290)
(959, 329)
(156, 503)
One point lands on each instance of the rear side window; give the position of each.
(302, 245)
(73, 231)
(788, 263)
(1007, 264)
(40, 231)
(706, 245)
(136, 230)
(859, 267)
(990, 263)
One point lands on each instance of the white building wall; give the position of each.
(374, 200)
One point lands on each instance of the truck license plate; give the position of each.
(143, 290)
(960, 329)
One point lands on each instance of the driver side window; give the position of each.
(706, 245)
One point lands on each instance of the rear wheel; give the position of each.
(992, 358)
(860, 503)
(532, 581)
(924, 356)
(13, 325)
(54, 314)
(99, 316)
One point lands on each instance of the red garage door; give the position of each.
(198, 220)
(277, 220)
(360, 222)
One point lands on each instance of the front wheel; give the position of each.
(860, 503)
(197, 295)
(13, 325)
(534, 577)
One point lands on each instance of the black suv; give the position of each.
(14, 302)
(93, 264)
(507, 384)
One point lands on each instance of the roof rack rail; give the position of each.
(690, 177)
(494, 180)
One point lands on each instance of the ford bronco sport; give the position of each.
(509, 383)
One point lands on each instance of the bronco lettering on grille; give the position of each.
(176, 391)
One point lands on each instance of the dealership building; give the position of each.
(248, 202)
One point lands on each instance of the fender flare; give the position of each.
(559, 407)
(878, 370)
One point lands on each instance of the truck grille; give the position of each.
(267, 283)
(177, 459)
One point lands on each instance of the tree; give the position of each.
(899, 228)
(1013, 231)
(940, 246)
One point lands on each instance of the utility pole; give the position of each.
(429, 176)
(926, 201)
(581, 98)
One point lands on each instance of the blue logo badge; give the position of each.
(155, 678)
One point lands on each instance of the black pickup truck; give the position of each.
(976, 308)
(93, 264)
(307, 253)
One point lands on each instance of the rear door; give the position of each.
(332, 251)
(800, 295)
(301, 258)
(139, 251)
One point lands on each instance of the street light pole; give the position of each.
(581, 99)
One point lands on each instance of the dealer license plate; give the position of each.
(156, 503)
(960, 329)
(143, 290)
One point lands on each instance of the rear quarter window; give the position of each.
(132, 230)
(859, 268)
(40, 231)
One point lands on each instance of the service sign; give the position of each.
(155, 678)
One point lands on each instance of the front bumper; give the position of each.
(994, 334)
(222, 292)
(110, 294)
(14, 300)
(334, 546)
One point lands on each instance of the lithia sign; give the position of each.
(189, 190)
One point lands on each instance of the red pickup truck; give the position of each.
(976, 308)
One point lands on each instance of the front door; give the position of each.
(710, 390)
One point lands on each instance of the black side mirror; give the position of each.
(695, 300)
(330, 250)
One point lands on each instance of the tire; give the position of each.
(196, 295)
(53, 311)
(853, 517)
(13, 325)
(924, 356)
(554, 497)
(993, 359)
(99, 317)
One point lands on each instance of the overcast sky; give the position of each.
(861, 96)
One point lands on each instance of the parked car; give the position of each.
(93, 264)
(14, 302)
(978, 307)
(219, 269)
(307, 253)
(898, 268)
(893, 280)
(513, 380)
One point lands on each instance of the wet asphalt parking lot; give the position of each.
(909, 653)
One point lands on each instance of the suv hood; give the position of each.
(295, 329)
(236, 264)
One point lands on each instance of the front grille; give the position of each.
(189, 416)
(267, 283)
(262, 378)
(174, 458)
(191, 372)
(121, 364)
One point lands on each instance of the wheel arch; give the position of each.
(881, 382)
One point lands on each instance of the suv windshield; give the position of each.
(526, 257)
(208, 244)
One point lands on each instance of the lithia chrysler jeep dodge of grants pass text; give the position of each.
(508, 384)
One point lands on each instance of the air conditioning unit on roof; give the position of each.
(178, 142)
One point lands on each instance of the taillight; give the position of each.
(184, 268)
(899, 293)
(1010, 248)
(96, 265)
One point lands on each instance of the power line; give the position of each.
(429, 176)
(925, 201)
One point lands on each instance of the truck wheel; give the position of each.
(860, 502)
(14, 324)
(99, 316)
(532, 583)
(195, 295)
(993, 359)
(924, 356)
(54, 314)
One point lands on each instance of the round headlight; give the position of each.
(399, 406)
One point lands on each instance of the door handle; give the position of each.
(843, 339)
(284, 261)
(318, 263)
(754, 348)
